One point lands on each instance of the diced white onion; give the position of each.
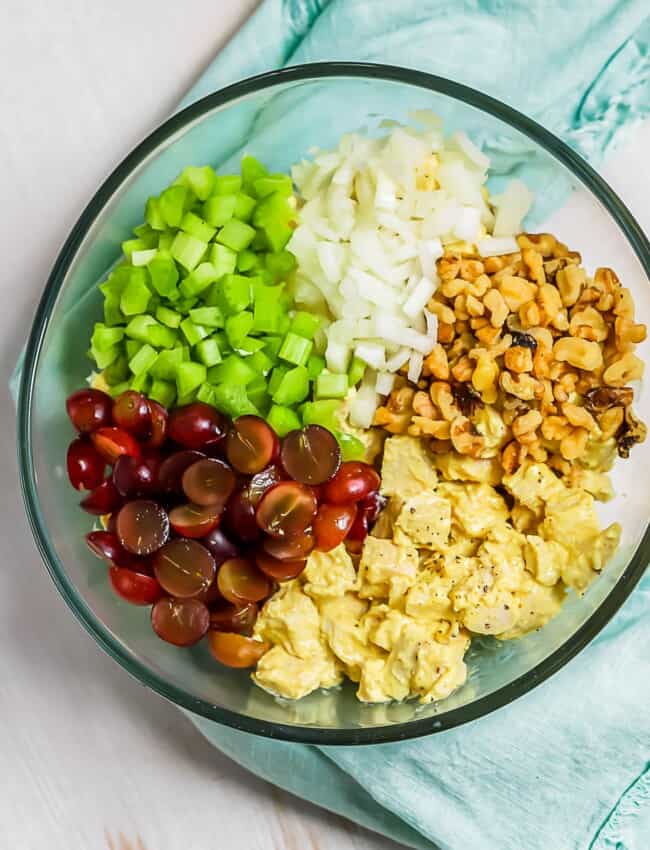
(471, 151)
(419, 298)
(492, 247)
(432, 324)
(415, 367)
(337, 356)
(384, 383)
(390, 330)
(468, 223)
(512, 207)
(371, 353)
(430, 252)
(395, 363)
(364, 403)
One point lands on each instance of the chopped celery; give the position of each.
(280, 264)
(272, 346)
(352, 448)
(117, 389)
(236, 235)
(269, 312)
(117, 371)
(322, 413)
(143, 360)
(198, 280)
(112, 313)
(270, 183)
(205, 393)
(233, 400)
(329, 385)
(283, 419)
(249, 345)
(136, 294)
(274, 216)
(260, 362)
(296, 349)
(168, 317)
(144, 244)
(356, 371)
(140, 383)
(200, 179)
(304, 324)
(238, 327)
(293, 387)
(164, 392)
(235, 293)
(164, 274)
(184, 305)
(209, 317)
(258, 395)
(244, 207)
(166, 364)
(138, 327)
(251, 170)
(208, 352)
(165, 240)
(219, 209)
(248, 261)
(132, 346)
(153, 215)
(188, 398)
(227, 184)
(233, 370)
(172, 204)
(143, 258)
(144, 230)
(104, 338)
(193, 333)
(276, 377)
(105, 358)
(223, 259)
(162, 337)
(188, 250)
(196, 226)
(116, 281)
(315, 365)
(189, 377)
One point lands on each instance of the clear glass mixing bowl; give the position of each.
(279, 117)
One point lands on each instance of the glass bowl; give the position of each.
(279, 117)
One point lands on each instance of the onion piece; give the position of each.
(365, 402)
(419, 297)
(384, 383)
(415, 367)
(395, 363)
(492, 247)
(372, 353)
(511, 208)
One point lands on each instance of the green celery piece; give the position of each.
(244, 207)
(235, 293)
(251, 170)
(188, 250)
(248, 261)
(280, 265)
(209, 317)
(164, 392)
(144, 230)
(138, 327)
(200, 179)
(260, 244)
(264, 186)
(193, 333)
(181, 401)
(329, 385)
(274, 216)
(315, 365)
(143, 244)
(172, 204)
(356, 371)
(223, 259)
(235, 235)
(219, 209)
(275, 379)
(269, 313)
(304, 324)
(238, 327)
(233, 370)
(196, 226)
(103, 359)
(165, 240)
(293, 387)
(104, 338)
(199, 280)
(118, 371)
(233, 400)
(249, 345)
(207, 352)
(162, 337)
(205, 393)
(140, 383)
(257, 392)
(352, 448)
(189, 377)
(222, 339)
(143, 360)
(296, 349)
(116, 281)
(227, 184)
(272, 345)
(283, 419)
(322, 413)
(136, 294)
(132, 346)
(116, 390)
(184, 305)
(168, 317)
(260, 362)
(153, 215)
(143, 258)
(166, 364)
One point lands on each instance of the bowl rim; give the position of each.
(281, 731)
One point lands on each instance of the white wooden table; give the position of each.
(89, 760)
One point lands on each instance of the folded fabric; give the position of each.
(567, 767)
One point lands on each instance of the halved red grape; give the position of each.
(332, 524)
(230, 618)
(372, 505)
(235, 650)
(182, 622)
(136, 477)
(240, 581)
(89, 409)
(195, 520)
(184, 568)
(85, 465)
(261, 481)
(286, 510)
(289, 548)
(240, 517)
(142, 526)
(131, 411)
(136, 588)
(311, 455)
(219, 546)
(196, 425)
(359, 529)
(251, 444)
(113, 442)
(158, 430)
(209, 482)
(276, 569)
(352, 482)
(102, 500)
(170, 473)
(106, 545)
(212, 595)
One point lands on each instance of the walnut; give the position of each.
(464, 437)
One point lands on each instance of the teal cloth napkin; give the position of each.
(567, 767)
